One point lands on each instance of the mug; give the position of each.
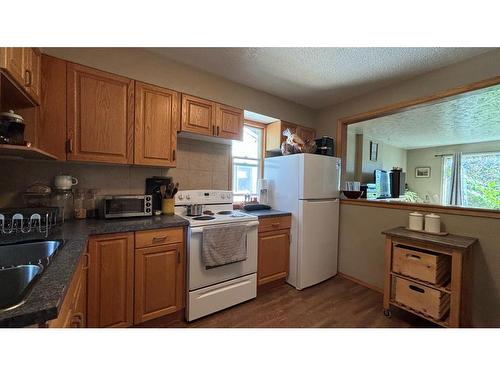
(64, 182)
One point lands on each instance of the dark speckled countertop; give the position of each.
(48, 292)
(267, 213)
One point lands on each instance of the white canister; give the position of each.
(432, 223)
(416, 221)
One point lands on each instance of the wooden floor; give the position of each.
(337, 302)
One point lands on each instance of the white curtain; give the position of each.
(456, 180)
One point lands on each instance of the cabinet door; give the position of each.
(198, 115)
(157, 118)
(32, 72)
(12, 60)
(99, 116)
(159, 281)
(306, 133)
(111, 278)
(51, 129)
(274, 252)
(229, 122)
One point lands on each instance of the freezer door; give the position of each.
(317, 242)
(319, 177)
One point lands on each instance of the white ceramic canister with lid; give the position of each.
(432, 223)
(416, 221)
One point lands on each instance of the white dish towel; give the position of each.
(224, 244)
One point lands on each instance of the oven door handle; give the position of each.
(200, 229)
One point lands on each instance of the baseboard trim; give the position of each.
(358, 281)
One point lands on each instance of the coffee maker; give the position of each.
(153, 188)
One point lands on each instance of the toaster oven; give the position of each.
(117, 206)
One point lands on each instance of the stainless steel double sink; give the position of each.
(20, 265)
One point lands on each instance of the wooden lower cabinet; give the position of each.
(129, 285)
(111, 280)
(159, 281)
(73, 312)
(274, 252)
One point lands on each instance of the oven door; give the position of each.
(199, 276)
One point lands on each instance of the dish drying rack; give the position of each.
(31, 223)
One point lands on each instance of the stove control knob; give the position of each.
(180, 196)
(222, 196)
(188, 197)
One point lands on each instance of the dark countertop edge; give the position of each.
(45, 314)
(432, 238)
(267, 213)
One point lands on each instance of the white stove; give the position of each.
(217, 207)
(214, 289)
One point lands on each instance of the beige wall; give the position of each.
(142, 65)
(424, 157)
(361, 244)
(201, 165)
(362, 252)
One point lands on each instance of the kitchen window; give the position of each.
(247, 162)
(480, 179)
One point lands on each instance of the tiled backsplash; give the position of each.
(200, 165)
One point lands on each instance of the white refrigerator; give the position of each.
(307, 185)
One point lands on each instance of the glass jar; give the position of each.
(63, 200)
(79, 210)
(90, 203)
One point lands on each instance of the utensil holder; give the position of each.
(167, 206)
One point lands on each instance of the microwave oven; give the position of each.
(117, 206)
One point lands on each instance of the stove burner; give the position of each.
(204, 218)
(225, 212)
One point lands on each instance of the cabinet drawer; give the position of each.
(432, 268)
(275, 223)
(158, 237)
(421, 298)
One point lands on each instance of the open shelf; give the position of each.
(444, 289)
(24, 152)
(442, 323)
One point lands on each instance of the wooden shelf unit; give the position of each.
(457, 286)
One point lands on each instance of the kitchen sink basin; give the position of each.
(35, 253)
(15, 283)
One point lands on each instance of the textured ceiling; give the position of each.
(318, 77)
(470, 118)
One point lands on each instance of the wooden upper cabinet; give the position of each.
(198, 115)
(32, 72)
(274, 133)
(111, 280)
(51, 128)
(159, 281)
(23, 65)
(157, 118)
(100, 116)
(12, 59)
(306, 133)
(229, 122)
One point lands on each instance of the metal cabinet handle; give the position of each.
(70, 145)
(159, 239)
(218, 128)
(86, 262)
(173, 155)
(77, 320)
(178, 257)
(27, 78)
(275, 224)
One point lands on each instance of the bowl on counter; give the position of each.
(352, 194)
